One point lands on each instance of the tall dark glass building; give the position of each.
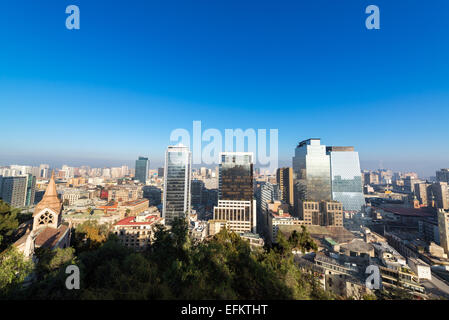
(236, 176)
(31, 190)
(236, 203)
(142, 166)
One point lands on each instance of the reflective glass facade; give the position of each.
(177, 175)
(347, 179)
(236, 176)
(311, 170)
(142, 165)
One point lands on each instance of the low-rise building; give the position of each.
(278, 215)
(134, 208)
(346, 286)
(420, 268)
(321, 213)
(137, 232)
(255, 241)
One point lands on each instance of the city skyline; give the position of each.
(424, 171)
(306, 69)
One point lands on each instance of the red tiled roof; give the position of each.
(129, 221)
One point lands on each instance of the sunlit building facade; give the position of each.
(346, 177)
(177, 179)
(311, 171)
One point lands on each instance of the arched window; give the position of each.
(46, 218)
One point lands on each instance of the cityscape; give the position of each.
(224, 158)
(353, 218)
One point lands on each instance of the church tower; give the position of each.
(48, 211)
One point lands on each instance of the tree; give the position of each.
(9, 223)
(14, 269)
(50, 260)
(302, 241)
(89, 236)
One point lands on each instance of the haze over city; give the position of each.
(230, 156)
(134, 72)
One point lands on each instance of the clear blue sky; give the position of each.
(136, 70)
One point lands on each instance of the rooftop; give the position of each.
(409, 212)
(131, 221)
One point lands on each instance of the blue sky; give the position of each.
(136, 70)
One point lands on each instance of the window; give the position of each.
(46, 218)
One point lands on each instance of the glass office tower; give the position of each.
(142, 166)
(236, 176)
(236, 203)
(31, 190)
(346, 177)
(177, 176)
(311, 170)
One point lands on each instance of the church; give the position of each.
(46, 229)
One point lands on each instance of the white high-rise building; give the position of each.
(346, 177)
(177, 178)
(311, 170)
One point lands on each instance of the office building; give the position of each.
(14, 190)
(30, 190)
(153, 194)
(266, 193)
(443, 227)
(346, 177)
(423, 194)
(284, 178)
(370, 178)
(236, 202)
(142, 167)
(236, 176)
(197, 192)
(443, 175)
(321, 213)
(177, 179)
(239, 215)
(440, 195)
(311, 169)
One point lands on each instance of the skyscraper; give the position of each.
(30, 190)
(443, 228)
(311, 170)
(236, 204)
(197, 192)
(236, 176)
(443, 175)
(142, 166)
(346, 177)
(14, 190)
(284, 179)
(177, 176)
(265, 193)
(440, 194)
